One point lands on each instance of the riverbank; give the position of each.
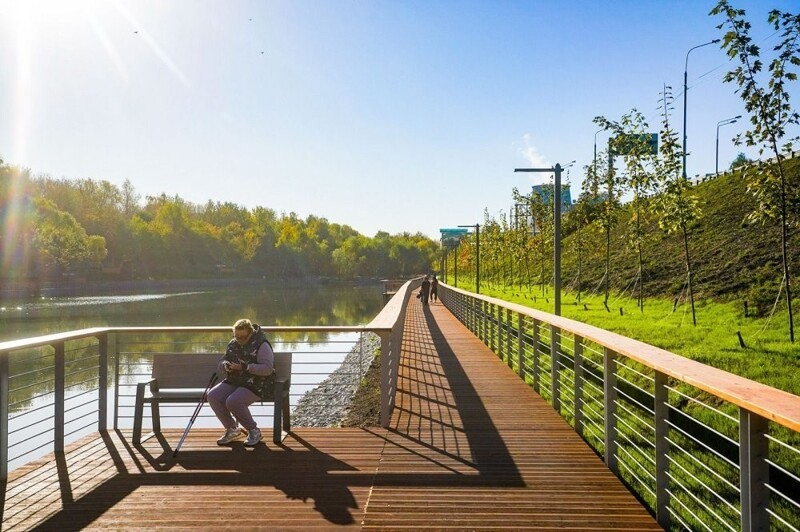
(329, 404)
(22, 291)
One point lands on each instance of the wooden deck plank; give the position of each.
(470, 446)
(317, 478)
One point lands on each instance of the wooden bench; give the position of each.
(183, 377)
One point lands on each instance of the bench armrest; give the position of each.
(152, 383)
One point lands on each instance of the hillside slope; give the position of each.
(732, 259)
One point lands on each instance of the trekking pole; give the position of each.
(199, 406)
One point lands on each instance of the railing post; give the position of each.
(555, 384)
(472, 312)
(469, 314)
(520, 346)
(492, 325)
(577, 366)
(481, 315)
(58, 398)
(610, 408)
(116, 380)
(754, 471)
(499, 331)
(661, 411)
(498, 336)
(3, 418)
(536, 355)
(102, 383)
(508, 338)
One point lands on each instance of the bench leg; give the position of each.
(155, 413)
(138, 412)
(286, 422)
(277, 437)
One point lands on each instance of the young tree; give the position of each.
(610, 183)
(541, 212)
(583, 213)
(770, 114)
(630, 139)
(676, 203)
(524, 230)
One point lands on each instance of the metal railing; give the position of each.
(702, 448)
(57, 388)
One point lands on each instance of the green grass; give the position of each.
(768, 358)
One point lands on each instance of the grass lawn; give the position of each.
(768, 357)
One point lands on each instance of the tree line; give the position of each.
(93, 227)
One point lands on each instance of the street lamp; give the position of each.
(685, 90)
(477, 228)
(557, 169)
(722, 123)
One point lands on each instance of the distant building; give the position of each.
(546, 192)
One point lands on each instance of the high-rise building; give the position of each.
(546, 192)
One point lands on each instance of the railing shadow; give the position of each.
(440, 416)
(83, 491)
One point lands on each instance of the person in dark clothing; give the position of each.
(249, 366)
(426, 286)
(434, 288)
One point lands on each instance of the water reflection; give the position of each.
(323, 305)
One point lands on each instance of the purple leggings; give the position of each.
(226, 399)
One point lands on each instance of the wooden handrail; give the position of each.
(776, 405)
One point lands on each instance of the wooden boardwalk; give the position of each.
(469, 447)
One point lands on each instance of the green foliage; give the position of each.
(60, 239)
(80, 223)
(740, 160)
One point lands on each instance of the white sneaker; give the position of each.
(230, 435)
(253, 437)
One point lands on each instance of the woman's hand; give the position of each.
(233, 367)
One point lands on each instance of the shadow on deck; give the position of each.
(469, 446)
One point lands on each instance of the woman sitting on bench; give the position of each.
(248, 364)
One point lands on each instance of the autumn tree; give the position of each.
(61, 240)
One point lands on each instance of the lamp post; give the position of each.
(685, 90)
(722, 123)
(557, 169)
(477, 228)
(455, 266)
(594, 161)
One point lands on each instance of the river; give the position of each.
(189, 305)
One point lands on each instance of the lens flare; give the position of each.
(16, 259)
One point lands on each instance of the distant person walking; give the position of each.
(426, 286)
(434, 288)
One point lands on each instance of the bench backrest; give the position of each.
(283, 366)
(194, 370)
(185, 370)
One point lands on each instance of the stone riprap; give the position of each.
(327, 404)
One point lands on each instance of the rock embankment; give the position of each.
(327, 404)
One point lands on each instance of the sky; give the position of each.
(396, 116)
